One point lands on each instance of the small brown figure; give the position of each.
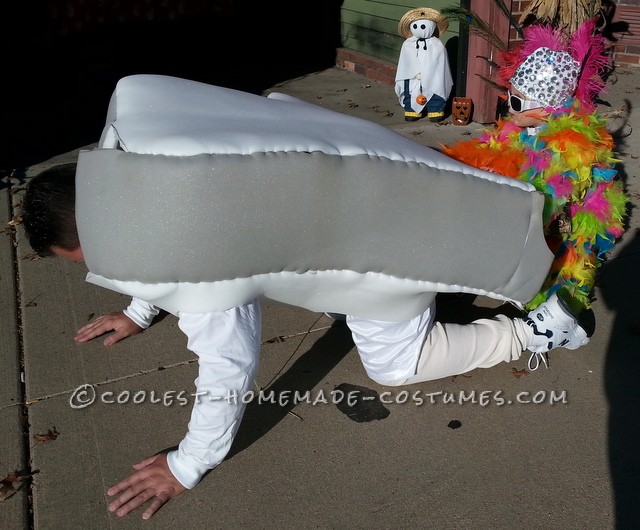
(461, 110)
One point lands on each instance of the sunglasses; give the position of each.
(519, 104)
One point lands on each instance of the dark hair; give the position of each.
(48, 211)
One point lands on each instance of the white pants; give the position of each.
(402, 353)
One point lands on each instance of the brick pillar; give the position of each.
(485, 97)
(625, 29)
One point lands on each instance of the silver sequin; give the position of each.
(547, 76)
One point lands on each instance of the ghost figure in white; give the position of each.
(423, 76)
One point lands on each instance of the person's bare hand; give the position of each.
(118, 322)
(152, 480)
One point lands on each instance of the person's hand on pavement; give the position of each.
(118, 322)
(152, 480)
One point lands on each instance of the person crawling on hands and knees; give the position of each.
(227, 342)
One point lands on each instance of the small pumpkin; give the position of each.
(421, 99)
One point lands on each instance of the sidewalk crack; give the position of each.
(18, 176)
(27, 403)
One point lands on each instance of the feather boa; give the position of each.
(570, 161)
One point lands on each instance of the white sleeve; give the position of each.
(227, 344)
(141, 312)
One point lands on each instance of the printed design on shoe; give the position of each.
(547, 333)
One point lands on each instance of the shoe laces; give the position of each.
(536, 359)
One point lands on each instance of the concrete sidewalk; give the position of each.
(563, 454)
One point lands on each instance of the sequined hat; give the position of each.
(547, 76)
(422, 13)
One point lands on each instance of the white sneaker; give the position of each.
(555, 326)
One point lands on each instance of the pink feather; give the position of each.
(539, 160)
(508, 128)
(589, 49)
(561, 185)
(541, 35)
(615, 231)
(596, 203)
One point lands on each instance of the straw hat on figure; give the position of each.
(423, 77)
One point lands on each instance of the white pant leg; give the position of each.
(453, 349)
(399, 353)
(389, 351)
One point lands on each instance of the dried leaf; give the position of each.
(49, 436)
(11, 484)
(7, 490)
(518, 373)
(279, 338)
(33, 256)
